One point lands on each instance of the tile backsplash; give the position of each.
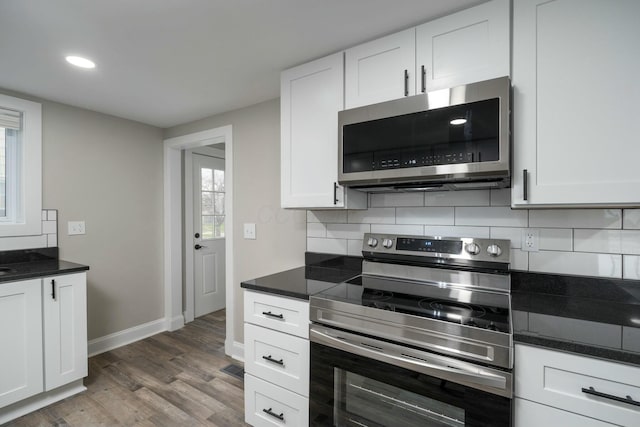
(48, 238)
(590, 242)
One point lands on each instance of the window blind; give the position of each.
(10, 119)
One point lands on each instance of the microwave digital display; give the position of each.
(467, 133)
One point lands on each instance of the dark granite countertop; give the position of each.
(320, 273)
(591, 316)
(32, 263)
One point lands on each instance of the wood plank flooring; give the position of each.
(170, 379)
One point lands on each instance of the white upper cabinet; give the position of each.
(576, 91)
(380, 70)
(468, 46)
(311, 96)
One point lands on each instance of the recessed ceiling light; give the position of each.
(458, 121)
(81, 62)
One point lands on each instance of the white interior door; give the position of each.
(209, 233)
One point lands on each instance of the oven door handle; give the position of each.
(415, 360)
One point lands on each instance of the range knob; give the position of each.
(372, 242)
(387, 243)
(494, 250)
(472, 248)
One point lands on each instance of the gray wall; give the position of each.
(281, 234)
(108, 172)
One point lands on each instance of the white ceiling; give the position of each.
(167, 62)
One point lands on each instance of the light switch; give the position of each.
(250, 231)
(75, 227)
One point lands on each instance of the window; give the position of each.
(20, 167)
(212, 197)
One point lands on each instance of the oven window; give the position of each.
(362, 401)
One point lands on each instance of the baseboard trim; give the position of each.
(39, 401)
(234, 349)
(128, 336)
(175, 323)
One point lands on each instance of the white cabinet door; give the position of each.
(468, 46)
(576, 91)
(531, 414)
(21, 340)
(267, 405)
(65, 328)
(311, 96)
(380, 70)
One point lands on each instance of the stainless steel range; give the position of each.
(422, 338)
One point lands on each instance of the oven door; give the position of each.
(360, 381)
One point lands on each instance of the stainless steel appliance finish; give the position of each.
(427, 153)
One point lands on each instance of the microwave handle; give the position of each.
(424, 79)
(525, 184)
(406, 82)
(335, 193)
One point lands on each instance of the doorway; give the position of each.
(174, 254)
(205, 230)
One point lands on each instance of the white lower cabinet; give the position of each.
(530, 414)
(574, 384)
(269, 405)
(21, 339)
(43, 333)
(276, 387)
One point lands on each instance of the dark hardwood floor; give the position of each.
(170, 379)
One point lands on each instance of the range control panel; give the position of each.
(494, 250)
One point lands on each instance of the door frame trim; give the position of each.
(173, 219)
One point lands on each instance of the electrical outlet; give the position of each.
(530, 239)
(75, 227)
(250, 231)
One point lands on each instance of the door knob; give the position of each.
(196, 247)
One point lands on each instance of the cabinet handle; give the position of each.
(594, 392)
(335, 193)
(424, 79)
(525, 183)
(273, 414)
(406, 82)
(53, 289)
(270, 314)
(272, 360)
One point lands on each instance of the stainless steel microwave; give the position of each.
(457, 138)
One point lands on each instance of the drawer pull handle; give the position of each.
(270, 314)
(273, 414)
(594, 392)
(272, 360)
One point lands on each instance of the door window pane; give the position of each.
(219, 226)
(219, 203)
(207, 203)
(207, 179)
(207, 227)
(218, 180)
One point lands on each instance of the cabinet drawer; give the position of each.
(530, 414)
(282, 314)
(278, 358)
(266, 404)
(558, 379)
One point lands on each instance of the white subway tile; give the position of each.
(576, 218)
(354, 247)
(417, 230)
(52, 240)
(631, 264)
(630, 242)
(513, 234)
(631, 219)
(519, 260)
(555, 239)
(339, 217)
(52, 215)
(381, 200)
(631, 339)
(23, 242)
(44, 215)
(49, 227)
(600, 241)
(347, 231)
(578, 263)
(316, 229)
(330, 246)
(501, 197)
(373, 216)
(455, 231)
(457, 198)
(430, 216)
(489, 216)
